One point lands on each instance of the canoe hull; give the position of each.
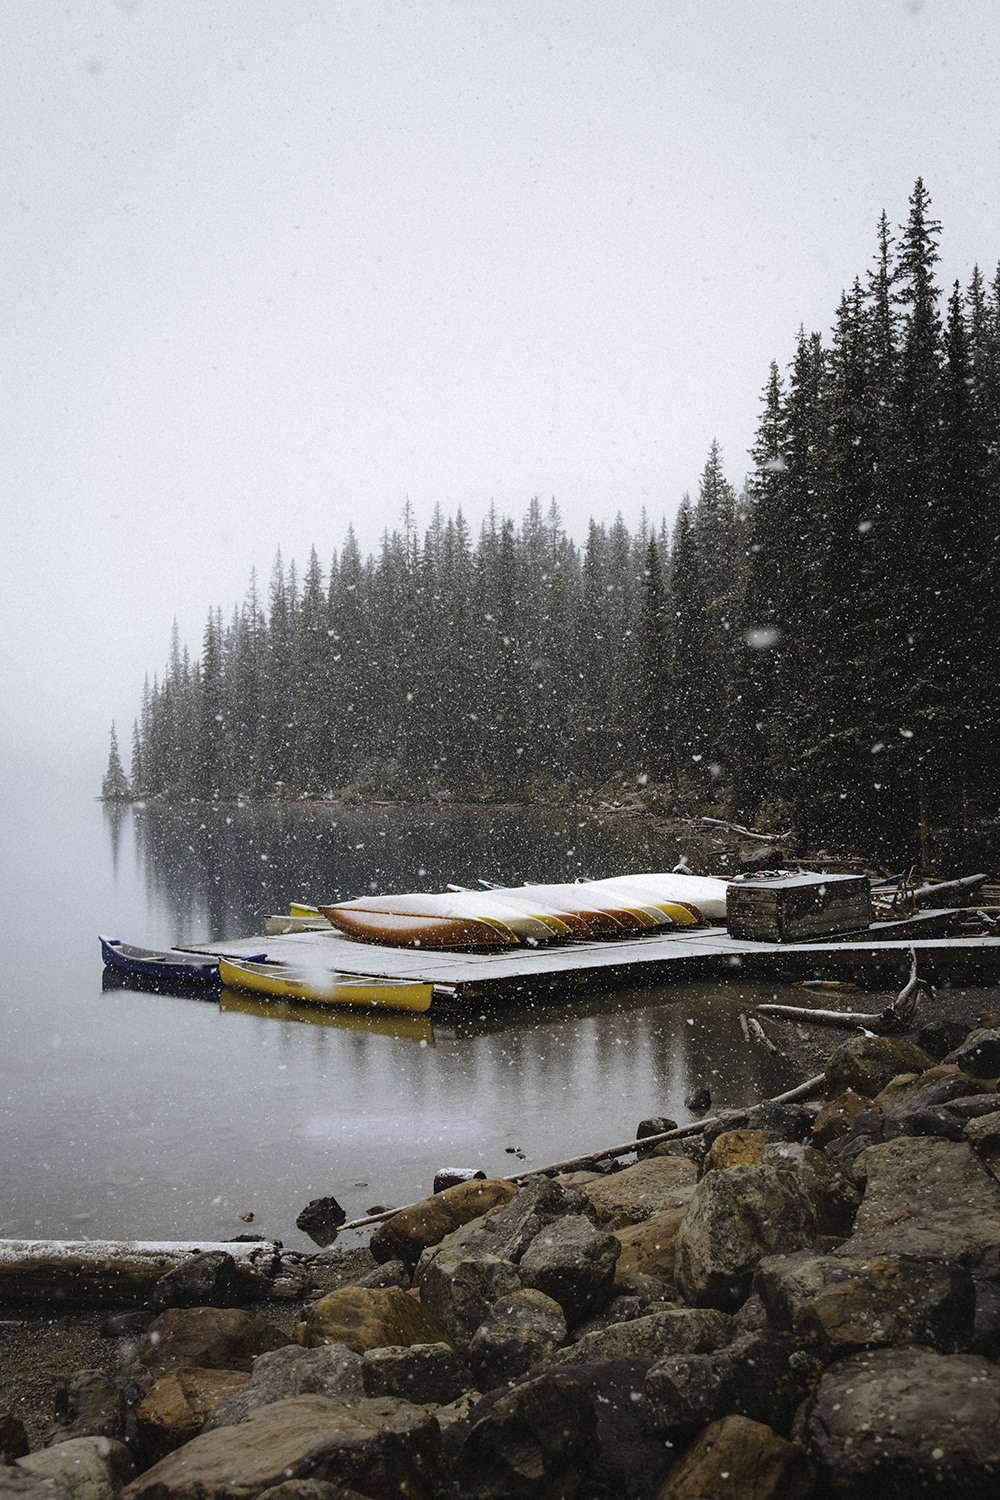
(286, 982)
(399, 931)
(158, 964)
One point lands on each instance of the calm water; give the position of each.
(130, 1114)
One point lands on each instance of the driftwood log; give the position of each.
(95, 1272)
(899, 1016)
(642, 1143)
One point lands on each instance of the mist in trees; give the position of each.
(819, 651)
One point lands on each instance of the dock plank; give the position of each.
(650, 959)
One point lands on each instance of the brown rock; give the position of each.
(211, 1338)
(379, 1446)
(836, 1117)
(735, 1148)
(178, 1406)
(649, 1247)
(370, 1318)
(735, 1457)
(414, 1229)
(651, 1186)
(866, 1064)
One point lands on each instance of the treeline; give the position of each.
(516, 665)
(821, 650)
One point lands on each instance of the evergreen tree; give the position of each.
(115, 787)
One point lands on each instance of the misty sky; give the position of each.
(269, 269)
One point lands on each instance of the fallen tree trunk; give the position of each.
(95, 1272)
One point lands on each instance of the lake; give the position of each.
(129, 1114)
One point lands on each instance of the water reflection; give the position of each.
(223, 869)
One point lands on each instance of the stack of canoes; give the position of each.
(507, 916)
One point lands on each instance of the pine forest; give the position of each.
(818, 651)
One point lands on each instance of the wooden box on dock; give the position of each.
(796, 908)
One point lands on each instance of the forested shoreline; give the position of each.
(820, 649)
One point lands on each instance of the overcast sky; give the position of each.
(270, 267)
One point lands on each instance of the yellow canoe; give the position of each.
(405, 1025)
(295, 982)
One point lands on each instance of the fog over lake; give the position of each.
(132, 1114)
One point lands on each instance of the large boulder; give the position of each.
(413, 1229)
(426, 1374)
(865, 1064)
(90, 1468)
(735, 1456)
(656, 1185)
(88, 1403)
(519, 1331)
(905, 1421)
(210, 1278)
(208, 1337)
(574, 1263)
(736, 1218)
(326, 1370)
(369, 1318)
(833, 1305)
(378, 1446)
(688, 1330)
(538, 1441)
(180, 1405)
(458, 1291)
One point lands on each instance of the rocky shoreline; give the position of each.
(802, 1301)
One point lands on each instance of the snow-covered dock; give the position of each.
(653, 959)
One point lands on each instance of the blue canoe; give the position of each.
(153, 963)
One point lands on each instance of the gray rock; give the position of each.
(211, 1278)
(942, 1109)
(654, 1336)
(392, 1273)
(905, 1421)
(629, 1465)
(88, 1403)
(90, 1468)
(834, 1305)
(574, 1263)
(320, 1220)
(509, 1231)
(538, 1439)
(983, 1135)
(979, 1055)
(759, 1375)
(684, 1392)
(460, 1290)
(737, 1217)
(833, 1195)
(519, 1331)
(498, 1355)
(329, 1370)
(422, 1373)
(916, 1175)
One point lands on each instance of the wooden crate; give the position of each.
(795, 908)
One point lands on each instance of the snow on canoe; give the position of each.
(446, 919)
(324, 986)
(588, 917)
(159, 963)
(704, 892)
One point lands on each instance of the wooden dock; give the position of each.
(652, 959)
